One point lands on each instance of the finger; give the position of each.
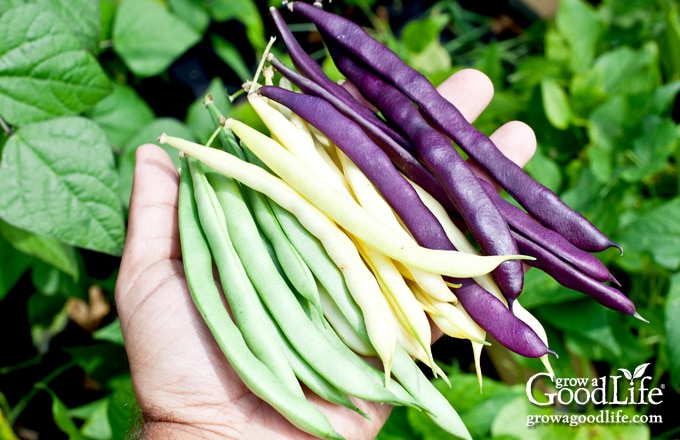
(516, 140)
(470, 90)
(152, 234)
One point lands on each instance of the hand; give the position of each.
(185, 387)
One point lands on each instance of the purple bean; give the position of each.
(548, 239)
(312, 70)
(463, 187)
(572, 278)
(400, 156)
(370, 159)
(498, 320)
(540, 201)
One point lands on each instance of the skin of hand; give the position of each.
(184, 385)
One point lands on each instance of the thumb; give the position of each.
(153, 236)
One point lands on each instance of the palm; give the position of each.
(181, 378)
(179, 373)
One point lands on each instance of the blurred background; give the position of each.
(597, 80)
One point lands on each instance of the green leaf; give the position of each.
(542, 168)
(49, 250)
(101, 361)
(244, 11)
(657, 232)
(620, 71)
(124, 413)
(556, 104)
(148, 134)
(650, 153)
(121, 114)
(81, 16)
(672, 311)
(57, 179)
(95, 416)
(581, 28)
(149, 38)
(13, 264)
(44, 73)
(110, 333)
(193, 13)
(61, 416)
(418, 34)
(107, 12)
(583, 319)
(8, 4)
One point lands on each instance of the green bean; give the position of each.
(355, 339)
(291, 262)
(322, 266)
(419, 386)
(208, 300)
(313, 380)
(277, 296)
(244, 302)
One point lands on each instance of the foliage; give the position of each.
(83, 83)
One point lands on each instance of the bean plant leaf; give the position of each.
(63, 419)
(13, 264)
(44, 72)
(121, 114)
(581, 27)
(555, 103)
(244, 11)
(47, 249)
(620, 71)
(672, 311)
(57, 178)
(149, 38)
(82, 17)
(657, 232)
(651, 151)
(193, 13)
(7, 4)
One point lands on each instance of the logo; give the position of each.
(629, 388)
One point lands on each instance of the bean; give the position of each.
(242, 299)
(255, 375)
(540, 201)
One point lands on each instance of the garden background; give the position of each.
(84, 82)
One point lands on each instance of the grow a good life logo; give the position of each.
(629, 388)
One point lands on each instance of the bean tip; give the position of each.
(640, 317)
(162, 138)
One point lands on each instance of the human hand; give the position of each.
(184, 385)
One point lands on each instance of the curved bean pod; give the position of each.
(550, 240)
(573, 278)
